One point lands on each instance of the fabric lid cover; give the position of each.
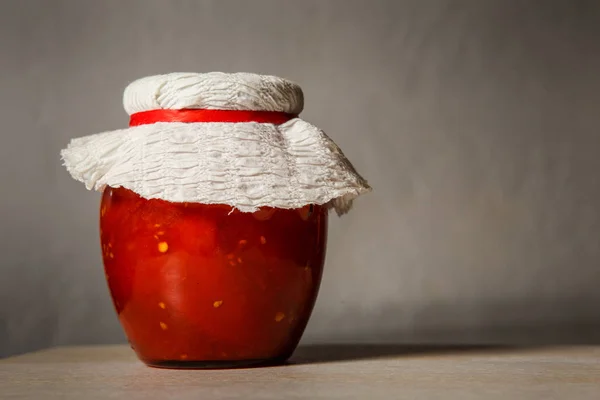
(246, 165)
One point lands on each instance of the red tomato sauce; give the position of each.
(199, 285)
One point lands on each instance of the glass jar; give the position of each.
(204, 286)
(214, 215)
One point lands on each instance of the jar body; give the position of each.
(199, 285)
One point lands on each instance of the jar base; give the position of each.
(218, 364)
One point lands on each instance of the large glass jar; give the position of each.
(214, 216)
(198, 285)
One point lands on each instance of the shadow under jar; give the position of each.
(206, 286)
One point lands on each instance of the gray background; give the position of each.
(476, 122)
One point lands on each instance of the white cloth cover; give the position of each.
(244, 165)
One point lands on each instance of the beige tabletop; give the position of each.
(315, 372)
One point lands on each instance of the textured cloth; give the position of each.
(244, 165)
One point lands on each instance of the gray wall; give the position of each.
(476, 122)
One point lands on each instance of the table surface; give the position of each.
(315, 372)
